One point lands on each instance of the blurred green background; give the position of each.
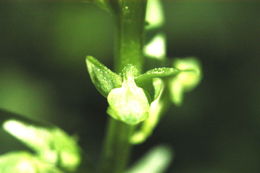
(42, 75)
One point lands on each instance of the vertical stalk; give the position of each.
(116, 147)
(130, 16)
(130, 34)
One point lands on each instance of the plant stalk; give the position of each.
(130, 16)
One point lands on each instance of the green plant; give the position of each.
(137, 100)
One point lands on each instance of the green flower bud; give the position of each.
(128, 103)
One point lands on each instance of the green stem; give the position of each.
(116, 147)
(130, 24)
(130, 15)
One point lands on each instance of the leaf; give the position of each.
(24, 162)
(104, 79)
(155, 161)
(52, 145)
(188, 78)
(146, 80)
(161, 72)
(128, 103)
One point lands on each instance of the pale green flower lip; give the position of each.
(128, 103)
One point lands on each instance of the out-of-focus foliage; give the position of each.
(156, 48)
(24, 162)
(186, 80)
(155, 161)
(52, 145)
(154, 14)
